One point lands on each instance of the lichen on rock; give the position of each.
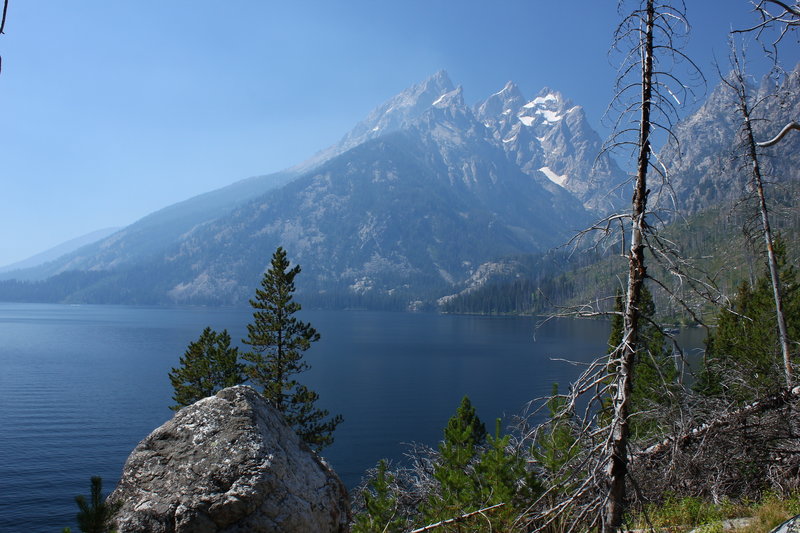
(229, 463)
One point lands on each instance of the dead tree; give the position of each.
(736, 82)
(650, 32)
(648, 93)
(778, 16)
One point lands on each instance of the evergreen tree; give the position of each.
(277, 340)
(743, 360)
(555, 447)
(208, 366)
(96, 516)
(617, 323)
(656, 382)
(503, 478)
(476, 470)
(380, 506)
(459, 490)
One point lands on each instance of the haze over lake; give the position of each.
(81, 385)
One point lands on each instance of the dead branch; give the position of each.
(737, 454)
(776, 19)
(698, 433)
(457, 519)
(775, 140)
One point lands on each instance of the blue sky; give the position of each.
(111, 109)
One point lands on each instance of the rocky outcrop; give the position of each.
(229, 463)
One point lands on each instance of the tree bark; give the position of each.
(617, 467)
(757, 181)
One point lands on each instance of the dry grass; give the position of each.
(694, 514)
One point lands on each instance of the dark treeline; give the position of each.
(56, 289)
(537, 284)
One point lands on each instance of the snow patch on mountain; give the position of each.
(549, 116)
(542, 100)
(552, 176)
(549, 131)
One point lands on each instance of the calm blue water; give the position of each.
(80, 386)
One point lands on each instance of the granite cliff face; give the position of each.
(705, 160)
(550, 137)
(229, 463)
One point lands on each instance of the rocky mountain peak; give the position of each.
(502, 104)
(547, 108)
(399, 110)
(388, 117)
(454, 98)
(439, 82)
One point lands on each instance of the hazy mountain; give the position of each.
(151, 236)
(411, 201)
(57, 251)
(413, 210)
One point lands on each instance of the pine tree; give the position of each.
(503, 478)
(476, 470)
(380, 506)
(656, 376)
(555, 446)
(208, 366)
(459, 489)
(96, 516)
(277, 340)
(743, 360)
(617, 323)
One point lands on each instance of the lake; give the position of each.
(80, 386)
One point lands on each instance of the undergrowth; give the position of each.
(689, 513)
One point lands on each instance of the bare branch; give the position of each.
(786, 129)
(456, 519)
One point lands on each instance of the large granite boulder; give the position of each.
(229, 463)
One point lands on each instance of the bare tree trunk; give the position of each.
(648, 92)
(756, 179)
(618, 444)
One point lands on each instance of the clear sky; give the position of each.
(110, 110)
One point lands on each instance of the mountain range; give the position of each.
(411, 201)
(424, 198)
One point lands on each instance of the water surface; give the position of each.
(80, 386)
